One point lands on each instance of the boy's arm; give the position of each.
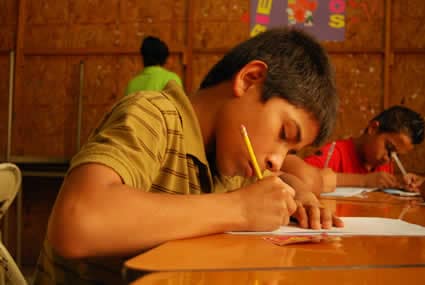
(96, 215)
(311, 176)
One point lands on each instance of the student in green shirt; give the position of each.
(154, 76)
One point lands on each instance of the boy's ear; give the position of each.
(253, 73)
(373, 127)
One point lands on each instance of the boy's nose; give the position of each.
(274, 161)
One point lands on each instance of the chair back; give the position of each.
(10, 182)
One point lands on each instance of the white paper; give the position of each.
(347, 191)
(354, 226)
(401, 192)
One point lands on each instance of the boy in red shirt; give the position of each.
(366, 160)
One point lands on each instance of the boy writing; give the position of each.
(128, 188)
(366, 160)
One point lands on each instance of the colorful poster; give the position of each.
(323, 18)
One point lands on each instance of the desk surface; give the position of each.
(375, 197)
(382, 276)
(236, 252)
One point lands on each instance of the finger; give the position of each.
(314, 217)
(291, 205)
(285, 216)
(301, 216)
(326, 218)
(289, 189)
(337, 222)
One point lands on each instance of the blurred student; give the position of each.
(154, 76)
(366, 160)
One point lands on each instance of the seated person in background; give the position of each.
(365, 161)
(154, 76)
(163, 166)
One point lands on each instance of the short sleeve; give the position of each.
(131, 141)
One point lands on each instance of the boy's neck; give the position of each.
(207, 103)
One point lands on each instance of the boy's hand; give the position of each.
(381, 179)
(329, 180)
(267, 204)
(413, 182)
(311, 214)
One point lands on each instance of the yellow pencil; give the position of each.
(251, 152)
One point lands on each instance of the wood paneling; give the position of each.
(4, 101)
(408, 24)
(357, 75)
(408, 88)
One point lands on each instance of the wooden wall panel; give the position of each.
(408, 88)
(364, 25)
(202, 63)
(359, 86)
(47, 11)
(46, 111)
(101, 90)
(219, 24)
(8, 12)
(4, 101)
(94, 11)
(153, 11)
(47, 36)
(8, 18)
(94, 36)
(172, 33)
(408, 24)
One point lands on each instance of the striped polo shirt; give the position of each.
(153, 141)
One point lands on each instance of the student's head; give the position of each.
(153, 51)
(396, 129)
(282, 89)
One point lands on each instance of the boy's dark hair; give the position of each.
(299, 71)
(153, 51)
(399, 119)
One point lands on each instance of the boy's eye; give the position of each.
(283, 134)
(389, 147)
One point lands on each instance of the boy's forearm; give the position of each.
(115, 219)
(310, 176)
(350, 179)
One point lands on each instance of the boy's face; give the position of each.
(378, 147)
(275, 127)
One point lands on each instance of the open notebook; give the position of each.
(356, 191)
(354, 226)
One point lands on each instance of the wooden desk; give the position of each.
(237, 252)
(376, 197)
(383, 276)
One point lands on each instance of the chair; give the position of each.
(10, 183)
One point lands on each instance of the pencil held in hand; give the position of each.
(398, 162)
(330, 152)
(251, 152)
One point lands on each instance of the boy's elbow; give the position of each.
(69, 236)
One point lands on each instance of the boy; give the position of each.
(154, 76)
(119, 197)
(366, 160)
